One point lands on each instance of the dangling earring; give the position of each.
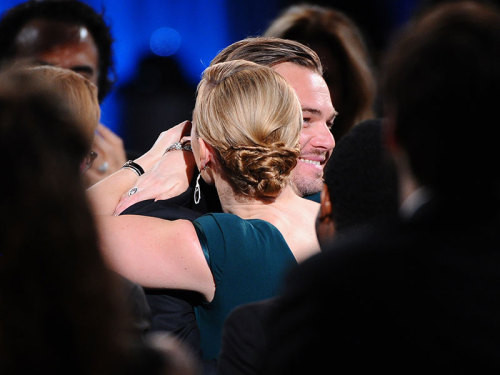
(197, 192)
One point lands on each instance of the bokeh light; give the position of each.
(165, 41)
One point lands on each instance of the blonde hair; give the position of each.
(251, 116)
(79, 93)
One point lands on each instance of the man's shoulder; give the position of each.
(357, 252)
(179, 207)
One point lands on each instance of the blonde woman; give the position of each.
(80, 95)
(245, 141)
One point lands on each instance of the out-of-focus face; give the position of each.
(316, 139)
(48, 42)
(325, 227)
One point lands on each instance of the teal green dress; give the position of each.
(248, 259)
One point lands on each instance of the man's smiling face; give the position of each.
(316, 140)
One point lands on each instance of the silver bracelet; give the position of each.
(186, 146)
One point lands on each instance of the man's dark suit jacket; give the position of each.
(244, 339)
(404, 297)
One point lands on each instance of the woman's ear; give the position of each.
(202, 151)
(207, 162)
(207, 153)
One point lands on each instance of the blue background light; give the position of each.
(196, 30)
(190, 31)
(165, 41)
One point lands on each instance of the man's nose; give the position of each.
(323, 137)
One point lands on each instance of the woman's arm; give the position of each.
(152, 252)
(156, 253)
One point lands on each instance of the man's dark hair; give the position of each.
(71, 11)
(441, 84)
(270, 51)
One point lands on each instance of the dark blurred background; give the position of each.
(162, 46)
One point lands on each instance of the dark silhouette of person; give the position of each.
(419, 292)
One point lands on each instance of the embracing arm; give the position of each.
(155, 253)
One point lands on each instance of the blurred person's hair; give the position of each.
(440, 85)
(342, 49)
(361, 178)
(61, 308)
(80, 93)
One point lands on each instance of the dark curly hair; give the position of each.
(71, 11)
(361, 178)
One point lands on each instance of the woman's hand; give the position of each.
(170, 174)
(106, 194)
(168, 178)
(164, 140)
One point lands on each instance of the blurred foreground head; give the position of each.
(60, 309)
(440, 91)
(361, 185)
(68, 34)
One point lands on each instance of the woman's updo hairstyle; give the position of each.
(251, 116)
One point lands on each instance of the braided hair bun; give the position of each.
(251, 116)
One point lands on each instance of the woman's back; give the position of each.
(248, 259)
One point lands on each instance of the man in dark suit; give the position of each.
(420, 293)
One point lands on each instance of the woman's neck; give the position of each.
(292, 215)
(251, 208)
